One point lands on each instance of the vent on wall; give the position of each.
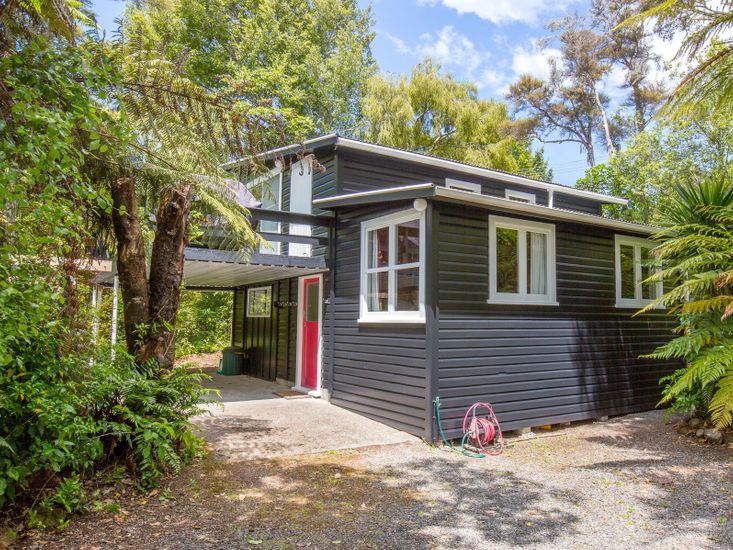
(520, 196)
(463, 185)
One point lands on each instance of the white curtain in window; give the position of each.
(538, 263)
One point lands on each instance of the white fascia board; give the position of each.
(542, 211)
(376, 192)
(281, 150)
(474, 170)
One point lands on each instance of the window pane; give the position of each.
(536, 263)
(627, 272)
(408, 289)
(408, 242)
(258, 302)
(377, 293)
(311, 302)
(507, 264)
(270, 193)
(379, 247)
(648, 292)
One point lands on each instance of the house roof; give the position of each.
(440, 193)
(337, 141)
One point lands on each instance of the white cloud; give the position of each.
(506, 11)
(447, 45)
(533, 60)
(451, 48)
(399, 44)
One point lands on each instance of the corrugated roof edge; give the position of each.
(430, 190)
(410, 156)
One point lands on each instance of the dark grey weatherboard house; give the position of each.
(429, 278)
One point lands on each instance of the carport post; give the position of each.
(113, 332)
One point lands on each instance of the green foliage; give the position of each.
(308, 58)
(695, 257)
(143, 413)
(708, 85)
(436, 114)
(659, 159)
(204, 322)
(64, 413)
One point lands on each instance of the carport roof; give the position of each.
(208, 269)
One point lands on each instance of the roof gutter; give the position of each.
(409, 156)
(474, 170)
(432, 191)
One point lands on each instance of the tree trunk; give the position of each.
(639, 122)
(166, 275)
(606, 127)
(131, 267)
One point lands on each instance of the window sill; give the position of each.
(391, 321)
(500, 302)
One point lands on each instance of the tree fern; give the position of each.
(696, 254)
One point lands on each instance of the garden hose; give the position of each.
(480, 427)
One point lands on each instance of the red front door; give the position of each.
(310, 333)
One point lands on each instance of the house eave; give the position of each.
(419, 158)
(468, 169)
(443, 194)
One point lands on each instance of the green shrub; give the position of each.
(143, 414)
(204, 322)
(696, 260)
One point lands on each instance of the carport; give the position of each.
(251, 421)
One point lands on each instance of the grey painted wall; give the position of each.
(378, 371)
(270, 341)
(363, 172)
(541, 364)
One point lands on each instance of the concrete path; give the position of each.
(252, 422)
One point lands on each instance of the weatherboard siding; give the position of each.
(271, 341)
(541, 364)
(377, 371)
(363, 172)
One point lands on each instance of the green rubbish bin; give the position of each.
(232, 361)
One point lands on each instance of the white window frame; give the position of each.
(467, 186)
(520, 196)
(269, 302)
(270, 247)
(637, 243)
(522, 297)
(391, 315)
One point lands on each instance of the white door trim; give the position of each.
(299, 340)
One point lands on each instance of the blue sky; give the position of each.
(489, 42)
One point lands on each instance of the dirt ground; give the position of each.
(630, 482)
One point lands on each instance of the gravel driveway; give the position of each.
(631, 482)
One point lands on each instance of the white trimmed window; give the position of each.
(520, 196)
(259, 301)
(393, 268)
(463, 185)
(633, 266)
(521, 262)
(268, 188)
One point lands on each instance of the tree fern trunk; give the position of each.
(131, 266)
(166, 275)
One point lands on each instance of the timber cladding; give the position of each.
(377, 371)
(541, 364)
(270, 341)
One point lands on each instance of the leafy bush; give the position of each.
(142, 414)
(696, 257)
(204, 322)
(64, 419)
